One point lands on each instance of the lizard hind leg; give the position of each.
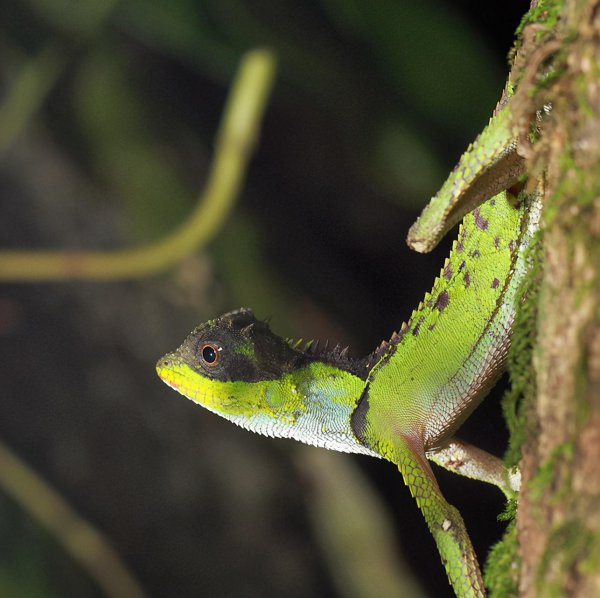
(443, 520)
(465, 459)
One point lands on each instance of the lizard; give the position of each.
(405, 400)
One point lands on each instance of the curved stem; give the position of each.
(235, 141)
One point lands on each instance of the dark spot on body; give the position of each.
(462, 265)
(417, 326)
(467, 279)
(497, 242)
(492, 202)
(431, 326)
(459, 247)
(511, 245)
(495, 283)
(480, 222)
(448, 272)
(475, 253)
(442, 301)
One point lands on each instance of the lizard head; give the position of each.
(238, 368)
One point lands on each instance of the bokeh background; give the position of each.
(373, 104)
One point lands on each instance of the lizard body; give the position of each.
(404, 401)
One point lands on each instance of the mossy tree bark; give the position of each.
(558, 520)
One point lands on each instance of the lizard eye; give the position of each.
(210, 354)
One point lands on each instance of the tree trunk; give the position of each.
(558, 520)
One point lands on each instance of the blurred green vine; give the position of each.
(78, 537)
(234, 144)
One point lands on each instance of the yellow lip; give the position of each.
(166, 374)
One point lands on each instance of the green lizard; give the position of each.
(404, 401)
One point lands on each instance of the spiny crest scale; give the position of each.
(336, 355)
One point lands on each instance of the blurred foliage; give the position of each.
(31, 565)
(108, 145)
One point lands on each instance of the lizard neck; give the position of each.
(312, 403)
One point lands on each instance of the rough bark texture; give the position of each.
(558, 521)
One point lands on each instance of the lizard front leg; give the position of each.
(443, 520)
(465, 459)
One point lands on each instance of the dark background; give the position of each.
(373, 104)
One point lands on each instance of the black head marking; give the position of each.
(246, 349)
(238, 347)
